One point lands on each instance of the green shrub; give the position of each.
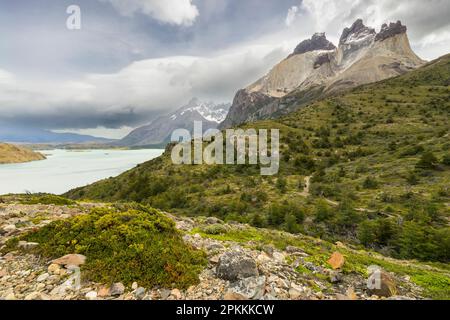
(427, 161)
(214, 229)
(48, 199)
(127, 244)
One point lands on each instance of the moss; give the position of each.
(123, 244)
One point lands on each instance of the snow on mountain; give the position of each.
(159, 130)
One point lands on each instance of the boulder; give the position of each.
(71, 260)
(27, 245)
(236, 265)
(91, 295)
(336, 260)
(381, 284)
(250, 288)
(139, 293)
(117, 289)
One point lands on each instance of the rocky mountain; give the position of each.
(317, 68)
(14, 154)
(159, 130)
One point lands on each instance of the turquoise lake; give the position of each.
(66, 169)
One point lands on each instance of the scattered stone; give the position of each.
(250, 288)
(42, 277)
(54, 269)
(33, 296)
(134, 286)
(294, 294)
(165, 294)
(269, 250)
(213, 220)
(91, 295)
(336, 260)
(117, 289)
(71, 260)
(27, 245)
(351, 294)
(104, 292)
(176, 294)
(400, 298)
(279, 257)
(233, 296)
(235, 265)
(381, 284)
(335, 277)
(9, 228)
(139, 293)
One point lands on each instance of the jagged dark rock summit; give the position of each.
(317, 42)
(357, 31)
(388, 31)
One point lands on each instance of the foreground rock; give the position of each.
(235, 271)
(236, 265)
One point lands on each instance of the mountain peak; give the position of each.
(388, 31)
(317, 42)
(356, 33)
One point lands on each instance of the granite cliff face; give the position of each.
(317, 68)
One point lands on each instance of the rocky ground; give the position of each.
(236, 271)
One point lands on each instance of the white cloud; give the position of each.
(426, 20)
(177, 12)
(291, 15)
(144, 87)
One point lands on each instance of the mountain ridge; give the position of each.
(317, 69)
(159, 130)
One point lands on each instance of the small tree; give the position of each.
(427, 161)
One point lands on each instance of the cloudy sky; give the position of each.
(133, 60)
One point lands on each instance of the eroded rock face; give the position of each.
(388, 31)
(317, 42)
(236, 265)
(358, 31)
(317, 69)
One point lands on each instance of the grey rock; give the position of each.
(250, 288)
(357, 30)
(335, 277)
(117, 289)
(139, 293)
(213, 220)
(388, 31)
(317, 42)
(27, 245)
(400, 298)
(235, 265)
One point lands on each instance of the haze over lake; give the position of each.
(67, 169)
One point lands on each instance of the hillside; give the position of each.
(369, 167)
(182, 258)
(14, 154)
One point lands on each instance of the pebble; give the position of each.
(42, 277)
(117, 289)
(91, 295)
